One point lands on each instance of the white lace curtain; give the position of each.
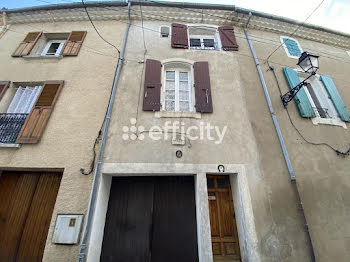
(24, 99)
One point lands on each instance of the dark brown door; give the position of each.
(224, 235)
(151, 219)
(27, 200)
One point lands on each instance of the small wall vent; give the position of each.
(164, 31)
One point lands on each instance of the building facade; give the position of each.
(192, 167)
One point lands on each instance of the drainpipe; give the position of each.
(97, 173)
(283, 146)
(268, 100)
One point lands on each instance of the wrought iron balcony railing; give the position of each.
(10, 126)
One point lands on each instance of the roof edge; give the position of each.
(178, 5)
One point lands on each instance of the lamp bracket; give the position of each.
(286, 98)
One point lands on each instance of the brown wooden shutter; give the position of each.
(27, 44)
(228, 38)
(73, 43)
(36, 122)
(152, 86)
(202, 87)
(179, 37)
(4, 85)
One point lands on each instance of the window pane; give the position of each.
(170, 105)
(53, 48)
(183, 76)
(183, 85)
(222, 183)
(195, 42)
(184, 106)
(170, 85)
(208, 42)
(210, 182)
(184, 95)
(170, 75)
(170, 95)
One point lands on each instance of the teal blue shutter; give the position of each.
(336, 98)
(301, 100)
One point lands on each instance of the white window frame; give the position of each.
(49, 43)
(201, 38)
(336, 121)
(177, 87)
(215, 36)
(286, 48)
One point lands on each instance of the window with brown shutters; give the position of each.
(202, 87)
(38, 118)
(73, 44)
(26, 46)
(152, 85)
(228, 38)
(179, 37)
(4, 85)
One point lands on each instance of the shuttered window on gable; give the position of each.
(26, 46)
(38, 118)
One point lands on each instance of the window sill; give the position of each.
(328, 121)
(166, 114)
(3, 145)
(43, 57)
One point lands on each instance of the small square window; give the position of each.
(291, 46)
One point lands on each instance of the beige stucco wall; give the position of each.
(74, 124)
(239, 104)
(322, 176)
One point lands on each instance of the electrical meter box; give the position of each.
(67, 229)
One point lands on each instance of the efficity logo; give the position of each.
(170, 129)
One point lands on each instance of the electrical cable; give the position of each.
(296, 29)
(338, 152)
(93, 25)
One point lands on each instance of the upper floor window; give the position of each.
(177, 89)
(25, 109)
(203, 38)
(291, 46)
(319, 100)
(50, 44)
(53, 48)
(177, 86)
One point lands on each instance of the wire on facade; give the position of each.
(296, 29)
(93, 25)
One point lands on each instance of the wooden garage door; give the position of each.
(224, 235)
(151, 219)
(27, 200)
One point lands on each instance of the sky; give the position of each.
(333, 14)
